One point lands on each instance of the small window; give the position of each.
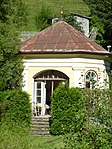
(90, 79)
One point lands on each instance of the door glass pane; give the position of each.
(87, 84)
(39, 99)
(39, 85)
(38, 92)
(87, 77)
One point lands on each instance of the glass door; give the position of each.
(40, 97)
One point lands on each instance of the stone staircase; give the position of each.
(40, 125)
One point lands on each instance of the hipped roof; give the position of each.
(60, 38)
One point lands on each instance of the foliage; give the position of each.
(14, 12)
(15, 107)
(103, 10)
(98, 106)
(96, 131)
(42, 18)
(110, 77)
(14, 104)
(67, 110)
(12, 19)
(11, 66)
(96, 138)
(96, 22)
(34, 9)
(72, 21)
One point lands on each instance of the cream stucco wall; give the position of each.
(33, 70)
(74, 68)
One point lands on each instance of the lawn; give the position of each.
(16, 137)
(50, 142)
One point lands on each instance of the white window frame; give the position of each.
(89, 76)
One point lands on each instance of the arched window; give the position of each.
(90, 79)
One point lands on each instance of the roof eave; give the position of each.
(61, 51)
(104, 55)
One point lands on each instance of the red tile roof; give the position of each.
(60, 38)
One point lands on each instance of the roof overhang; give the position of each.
(68, 54)
(36, 51)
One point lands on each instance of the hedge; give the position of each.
(67, 110)
(15, 106)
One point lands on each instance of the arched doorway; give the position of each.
(45, 83)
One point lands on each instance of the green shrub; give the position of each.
(67, 110)
(97, 127)
(15, 106)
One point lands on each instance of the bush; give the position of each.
(15, 107)
(67, 110)
(95, 138)
(97, 128)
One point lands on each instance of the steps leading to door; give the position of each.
(40, 125)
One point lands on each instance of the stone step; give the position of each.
(40, 122)
(40, 126)
(39, 129)
(40, 119)
(40, 132)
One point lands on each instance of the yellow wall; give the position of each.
(72, 67)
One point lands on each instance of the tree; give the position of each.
(10, 63)
(14, 12)
(102, 9)
(72, 21)
(11, 21)
(3, 10)
(42, 17)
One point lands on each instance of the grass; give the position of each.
(34, 7)
(42, 142)
(13, 136)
